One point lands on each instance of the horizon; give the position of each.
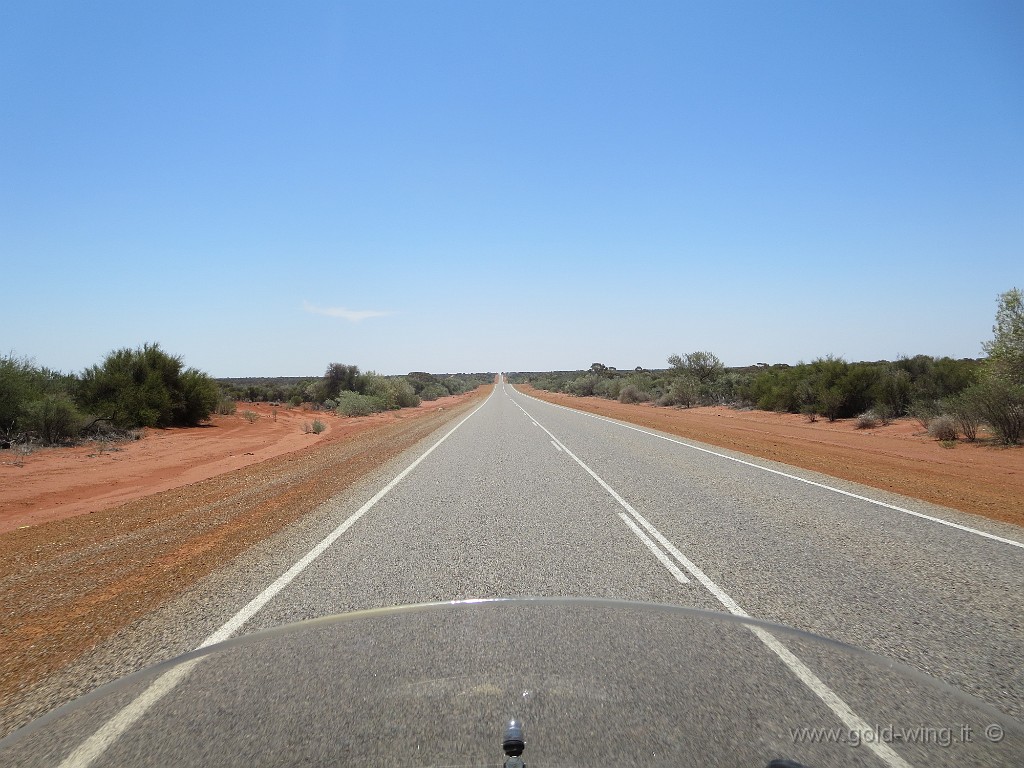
(533, 187)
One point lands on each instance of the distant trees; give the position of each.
(965, 393)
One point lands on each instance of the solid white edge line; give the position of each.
(557, 447)
(830, 698)
(662, 557)
(904, 510)
(93, 748)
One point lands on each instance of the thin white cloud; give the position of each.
(352, 315)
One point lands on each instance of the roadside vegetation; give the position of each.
(350, 392)
(131, 388)
(148, 387)
(950, 398)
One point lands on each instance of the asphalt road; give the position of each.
(527, 498)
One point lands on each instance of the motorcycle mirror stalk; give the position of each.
(513, 743)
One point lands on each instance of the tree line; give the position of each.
(149, 387)
(950, 397)
(351, 392)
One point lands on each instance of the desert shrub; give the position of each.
(885, 413)
(318, 427)
(942, 428)
(146, 387)
(867, 420)
(251, 416)
(354, 404)
(420, 380)
(26, 392)
(1000, 404)
(53, 418)
(728, 389)
(583, 386)
(810, 414)
(610, 388)
(17, 389)
(631, 394)
(1006, 349)
(389, 393)
(830, 403)
(405, 395)
(433, 392)
(295, 401)
(705, 367)
(225, 406)
(965, 413)
(338, 378)
(194, 398)
(892, 390)
(684, 391)
(925, 410)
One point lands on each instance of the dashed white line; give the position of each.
(830, 698)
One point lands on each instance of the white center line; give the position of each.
(830, 698)
(662, 557)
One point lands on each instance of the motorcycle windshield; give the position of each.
(594, 682)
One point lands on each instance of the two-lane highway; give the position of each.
(526, 498)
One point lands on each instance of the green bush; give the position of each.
(54, 418)
(942, 428)
(631, 394)
(18, 387)
(583, 386)
(1000, 404)
(195, 397)
(354, 404)
(685, 391)
(610, 388)
(965, 413)
(225, 406)
(433, 392)
(27, 394)
(146, 387)
(339, 378)
(1006, 349)
(867, 420)
(318, 426)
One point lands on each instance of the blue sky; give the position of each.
(264, 188)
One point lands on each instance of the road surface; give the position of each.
(527, 498)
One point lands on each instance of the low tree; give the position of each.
(147, 387)
(705, 367)
(340, 378)
(998, 397)
(1006, 349)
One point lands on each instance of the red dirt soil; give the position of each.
(55, 483)
(93, 541)
(980, 478)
